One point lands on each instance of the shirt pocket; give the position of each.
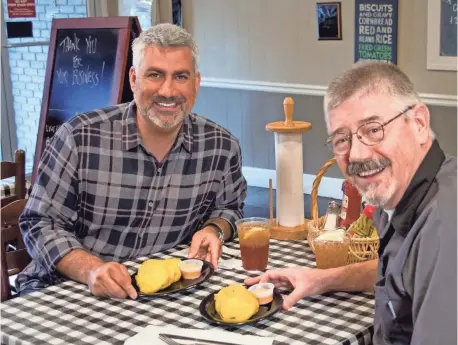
(192, 192)
(391, 315)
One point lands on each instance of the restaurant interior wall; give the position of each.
(27, 64)
(254, 53)
(250, 48)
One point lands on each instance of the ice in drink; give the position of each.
(254, 236)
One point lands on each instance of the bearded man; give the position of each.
(380, 134)
(134, 179)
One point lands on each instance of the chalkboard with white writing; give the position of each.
(88, 67)
(83, 74)
(448, 26)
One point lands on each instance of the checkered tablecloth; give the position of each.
(7, 187)
(69, 314)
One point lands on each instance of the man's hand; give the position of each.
(206, 245)
(111, 279)
(304, 282)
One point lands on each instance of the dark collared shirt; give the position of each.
(99, 189)
(415, 295)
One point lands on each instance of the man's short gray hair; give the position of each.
(164, 35)
(367, 77)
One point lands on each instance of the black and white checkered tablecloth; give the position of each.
(69, 314)
(7, 187)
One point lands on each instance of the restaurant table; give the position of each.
(68, 314)
(7, 187)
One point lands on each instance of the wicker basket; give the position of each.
(361, 248)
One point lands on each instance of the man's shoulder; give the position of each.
(439, 215)
(446, 194)
(446, 181)
(96, 117)
(436, 225)
(447, 172)
(210, 128)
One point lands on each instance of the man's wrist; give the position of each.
(221, 224)
(218, 231)
(330, 279)
(77, 264)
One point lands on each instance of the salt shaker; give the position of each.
(332, 218)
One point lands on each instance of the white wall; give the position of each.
(28, 68)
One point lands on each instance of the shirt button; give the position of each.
(159, 170)
(150, 204)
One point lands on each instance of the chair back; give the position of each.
(14, 169)
(14, 255)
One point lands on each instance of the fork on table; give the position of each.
(170, 341)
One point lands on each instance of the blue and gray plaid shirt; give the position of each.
(99, 189)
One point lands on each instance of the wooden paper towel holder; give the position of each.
(279, 232)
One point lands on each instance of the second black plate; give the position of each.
(208, 311)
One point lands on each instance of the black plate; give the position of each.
(208, 311)
(180, 285)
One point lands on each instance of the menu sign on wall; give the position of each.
(21, 8)
(376, 30)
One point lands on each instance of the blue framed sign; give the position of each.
(448, 23)
(376, 30)
(442, 38)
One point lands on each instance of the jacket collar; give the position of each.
(406, 211)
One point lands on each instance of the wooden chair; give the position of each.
(16, 169)
(14, 256)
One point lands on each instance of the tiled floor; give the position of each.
(257, 203)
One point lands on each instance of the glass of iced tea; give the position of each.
(254, 236)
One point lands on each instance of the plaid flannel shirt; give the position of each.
(99, 189)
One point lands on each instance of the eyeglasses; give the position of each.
(370, 134)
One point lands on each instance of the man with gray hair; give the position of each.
(379, 131)
(133, 179)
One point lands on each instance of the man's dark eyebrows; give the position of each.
(161, 71)
(183, 71)
(360, 122)
(369, 119)
(155, 69)
(338, 130)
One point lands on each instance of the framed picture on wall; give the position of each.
(329, 23)
(442, 37)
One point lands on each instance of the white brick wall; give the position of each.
(75, 2)
(28, 68)
(141, 9)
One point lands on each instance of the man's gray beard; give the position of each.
(375, 200)
(167, 125)
(156, 121)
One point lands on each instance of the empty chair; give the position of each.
(14, 256)
(14, 169)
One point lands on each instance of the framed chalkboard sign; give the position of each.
(88, 68)
(442, 35)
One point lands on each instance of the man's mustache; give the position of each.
(356, 168)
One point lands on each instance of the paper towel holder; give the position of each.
(279, 232)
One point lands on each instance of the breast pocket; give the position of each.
(392, 315)
(198, 190)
